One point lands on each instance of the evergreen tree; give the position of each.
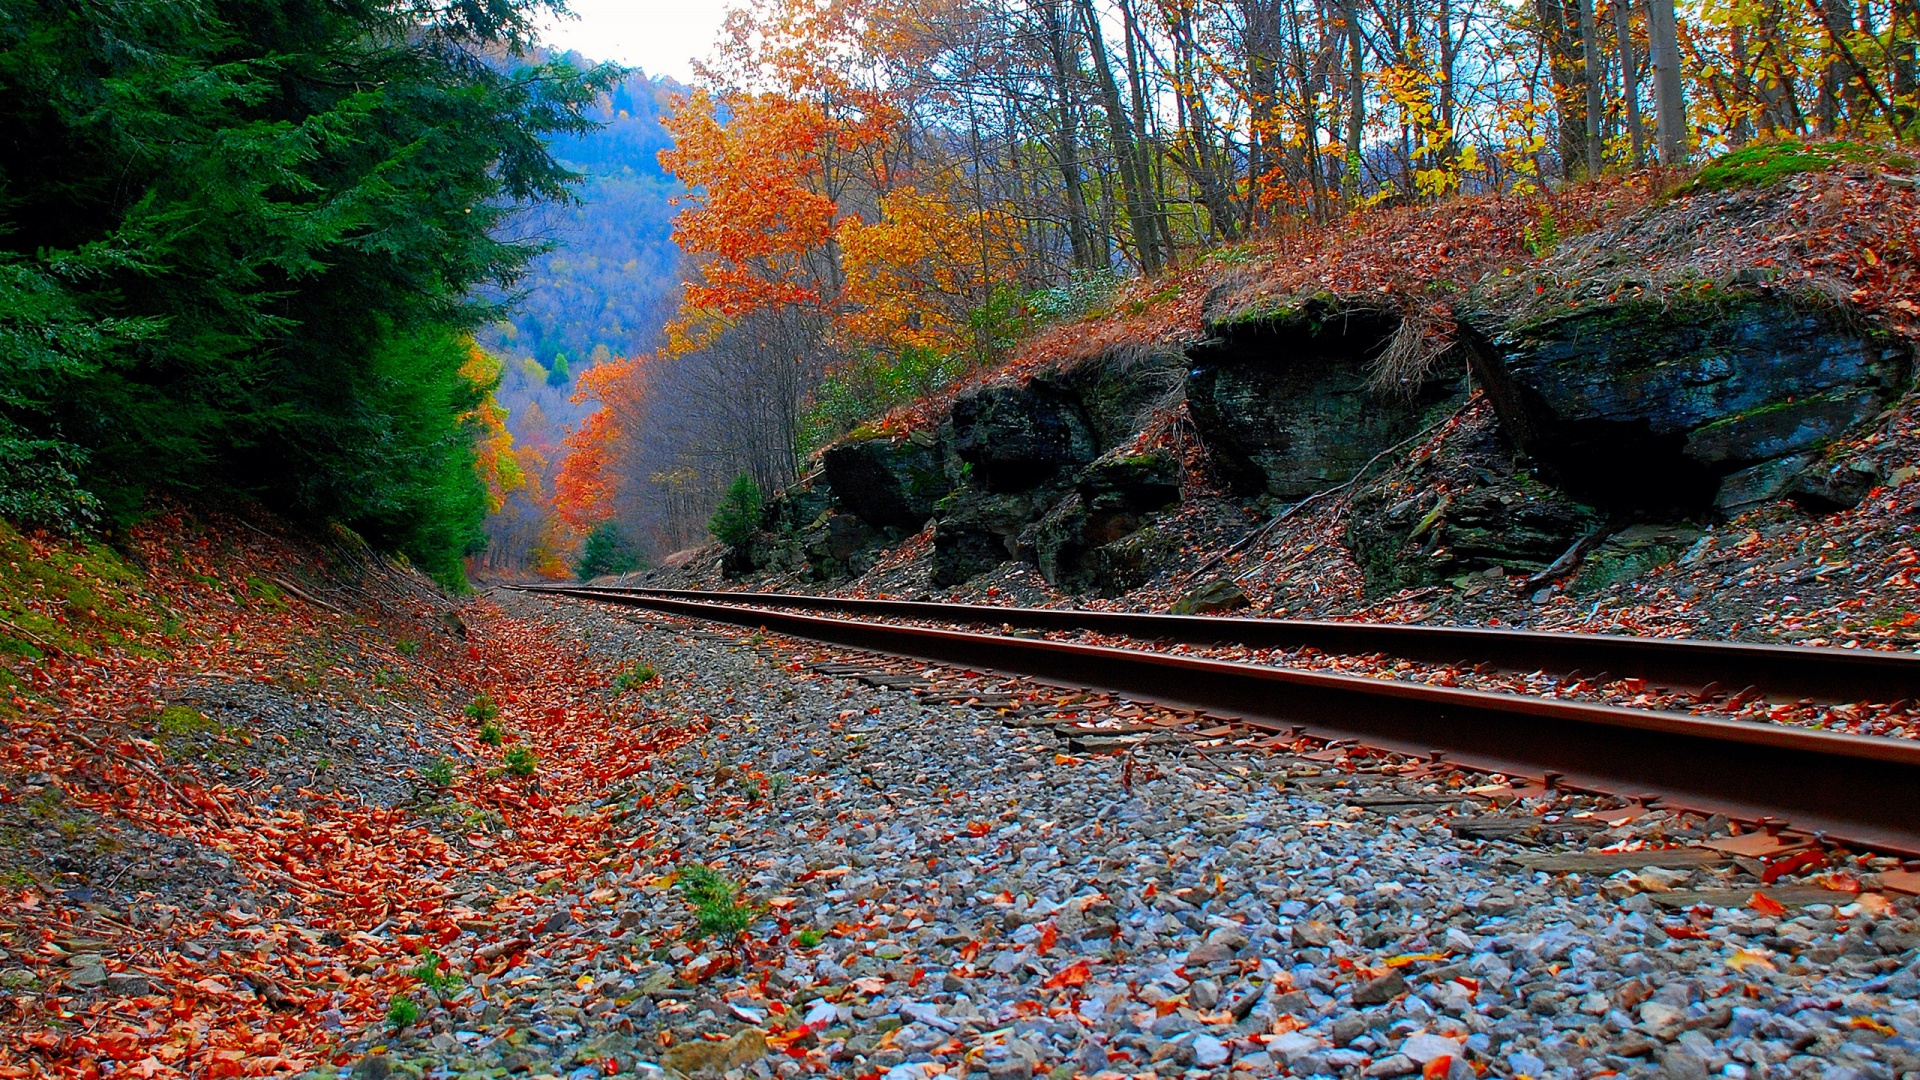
(607, 550)
(241, 240)
(738, 514)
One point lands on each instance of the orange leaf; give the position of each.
(1766, 905)
(1074, 974)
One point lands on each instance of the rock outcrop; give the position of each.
(1090, 542)
(890, 483)
(1691, 404)
(1013, 438)
(1470, 508)
(1283, 401)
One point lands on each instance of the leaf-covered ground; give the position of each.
(250, 781)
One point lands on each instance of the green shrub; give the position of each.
(638, 675)
(520, 761)
(401, 1013)
(438, 772)
(490, 734)
(607, 550)
(808, 939)
(718, 910)
(738, 515)
(483, 709)
(443, 984)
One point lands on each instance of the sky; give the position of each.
(661, 37)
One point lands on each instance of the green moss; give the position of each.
(1761, 164)
(1612, 568)
(90, 586)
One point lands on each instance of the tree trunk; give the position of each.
(1079, 237)
(1629, 79)
(1356, 101)
(1560, 40)
(1596, 102)
(1133, 186)
(1669, 98)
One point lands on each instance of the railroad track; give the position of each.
(1852, 789)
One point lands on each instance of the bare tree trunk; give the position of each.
(1596, 101)
(1068, 153)
(1629, 78)
(1356, 100)
(1561, 41)
(1903, 30)
(1145, 164)
(1669, 98)
(1133, 186)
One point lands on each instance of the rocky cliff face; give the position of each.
(1704, 402)
(1283, 402)
(1643, 415)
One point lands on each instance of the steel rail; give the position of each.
(1787, 671)
(1854, 789)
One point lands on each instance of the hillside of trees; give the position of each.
(886, 195)
(608, 283)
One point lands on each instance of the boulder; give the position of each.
(1687, 403)
(1283, 402)
(1470, 507)
(1117, 389)
(1214, 598)
(1091, 542)
(976, 531)
(1013, 438)
(890, 483)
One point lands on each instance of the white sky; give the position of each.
(661, 37)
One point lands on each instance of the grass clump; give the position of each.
(401, 1013)
(443, 984)
(482, 709)
(490, 734)
(638, 675)
(718, 910)
(808, 939)
(438, 773)
(520, 761)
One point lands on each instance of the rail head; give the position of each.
(1687, 663)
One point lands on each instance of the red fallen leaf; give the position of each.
(1048, 937)
(1437, 1068)
(970, 950)
(1793, 864)
(1838, 881)
(1685, 933)
(978, 828)
(1074, 974)
(1766, 905)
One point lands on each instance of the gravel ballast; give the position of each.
(935, 892)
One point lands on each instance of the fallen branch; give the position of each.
(1572, 557)
(303, 594)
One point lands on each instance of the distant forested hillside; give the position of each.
(609, 282)
(613, 276)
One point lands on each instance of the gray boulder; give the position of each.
(1691, 402)
(888, 483)
(1283, 401)
(1018, 437)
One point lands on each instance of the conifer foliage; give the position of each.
(239, 243)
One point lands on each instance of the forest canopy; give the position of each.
(241, 244)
